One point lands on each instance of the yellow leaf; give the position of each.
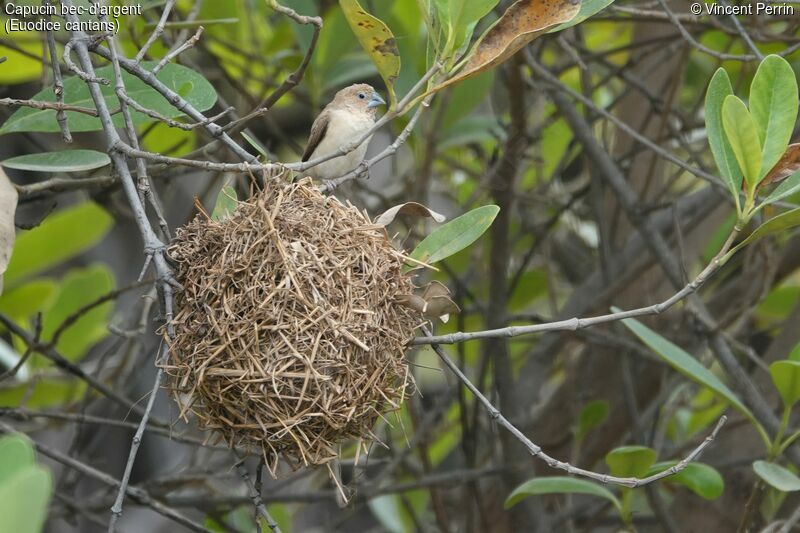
(377, 40)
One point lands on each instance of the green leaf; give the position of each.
(255, 144)
(26, 300)
(718, 89)
(389, 512)
(459, 18)
(334, 44)
(684, 363)
(79, 288)
(16, 453)
(282, 515)
(630, 461)
(784, 221)
(350, 69)
(703, 480)
(162, 139)
(377, 40)
(589, 8)
(455, 235)
(62, 161)
(521, 23)
(786, 377)
(59, 237)
(47, 393)
(24, 486)
(740, 128)
(471, 129)
(794, 355)
(785, 188)
(191, 85)
(464, 98)
(226, 203)
(559, 485)
(24, 500)
(777, 476)
(773, 104)
(592, 415)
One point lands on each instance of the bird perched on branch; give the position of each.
(351, 113)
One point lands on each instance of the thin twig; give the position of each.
(574, 324)
(178, 102)
(255, 498)
(88, 78)
(144, 184)
(157, 32)
(58, 83)
(699, 46)
(152, 244)
(537, 452)
(170, 122)
(78, 313)
(58, 106)
(71, 368)
(116, 509)
(24, 414)
(293, 79)
(54, 185)
(743, 33)
(791, 522)
(234, 125)
(549, 78)
(179, 50)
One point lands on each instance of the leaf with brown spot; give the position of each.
(786, 173)
(377, 40)
(520, 24)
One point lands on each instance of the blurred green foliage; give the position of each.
(40, 291)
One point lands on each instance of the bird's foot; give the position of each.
(363, 170)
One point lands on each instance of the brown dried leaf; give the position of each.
(788, 164)
(441, 307)
(8, 206)
(408, 208)
(434, 303)
(520, 24)
(435, 289)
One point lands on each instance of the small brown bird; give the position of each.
(351, 113)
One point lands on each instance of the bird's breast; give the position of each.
(343, 128)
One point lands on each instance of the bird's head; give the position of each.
(359, 98)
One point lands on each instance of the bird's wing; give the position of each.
(318, 130)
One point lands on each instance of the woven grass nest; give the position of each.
(288, 336)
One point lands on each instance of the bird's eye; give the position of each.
(362, 95)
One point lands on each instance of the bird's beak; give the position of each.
(376, 101)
